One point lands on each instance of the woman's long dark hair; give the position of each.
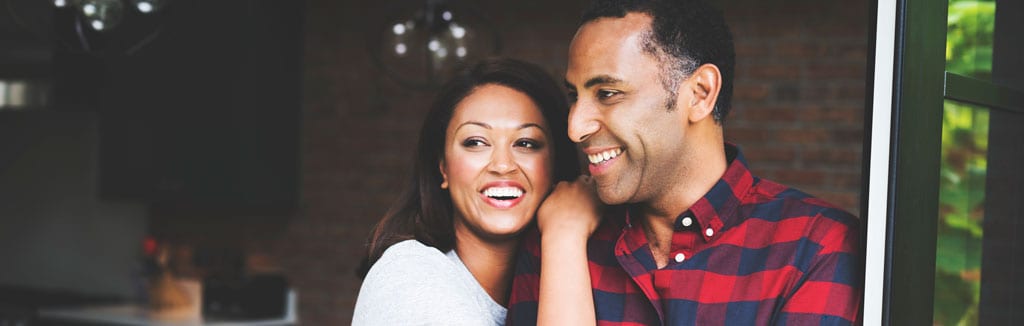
(424, 210)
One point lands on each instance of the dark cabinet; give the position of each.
(206, 114)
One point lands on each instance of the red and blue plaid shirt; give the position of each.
(750, 252)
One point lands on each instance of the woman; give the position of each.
(491, 147)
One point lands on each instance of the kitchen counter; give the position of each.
(139, 314)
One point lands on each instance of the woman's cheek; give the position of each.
(540, 170)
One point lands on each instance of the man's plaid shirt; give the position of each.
(750, 252)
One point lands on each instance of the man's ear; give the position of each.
(444, 174)
(703, 86)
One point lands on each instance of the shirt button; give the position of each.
(686, 222)
(709, 232)
(680, 257)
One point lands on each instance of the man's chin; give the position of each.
(611, 196)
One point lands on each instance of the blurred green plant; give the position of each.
(970, 27)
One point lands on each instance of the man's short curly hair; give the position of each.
(684, 35)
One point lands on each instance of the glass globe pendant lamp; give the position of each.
(97, 26)
(422, 45)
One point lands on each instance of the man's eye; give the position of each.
(606, 94)
(572, 96)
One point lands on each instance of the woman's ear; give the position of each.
(444, 174)
(703, 86)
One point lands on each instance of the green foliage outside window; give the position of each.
(962, 176)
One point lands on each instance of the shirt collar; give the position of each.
(716, 210)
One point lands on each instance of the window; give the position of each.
(947, 137)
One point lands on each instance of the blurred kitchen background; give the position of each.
(229, 140)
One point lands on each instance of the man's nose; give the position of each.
(582, 123)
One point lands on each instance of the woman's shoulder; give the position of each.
(410, 247)
(411, 254)
(413, 282)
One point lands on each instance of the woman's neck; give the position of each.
(491, 264)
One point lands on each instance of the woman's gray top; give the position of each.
(415, 284)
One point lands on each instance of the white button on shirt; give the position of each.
(709, 232)
(680, 257)
(686, 222)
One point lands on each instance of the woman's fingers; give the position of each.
(571, 205)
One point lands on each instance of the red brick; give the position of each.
(760, 155)
(853, 92)
(845, 180)
(786, 92)
(800, 178)
(804, 136)
(800, 49)
(773, 71)
(832, 155)
(752, 49)
(762, 114)
(831, 114)
(853, 52)
(837, 71)
(743, 135)
(818, 93)
(751, 91)
(848, 136)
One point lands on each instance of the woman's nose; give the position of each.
(502, 161)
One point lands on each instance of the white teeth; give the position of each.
(604, 156)
(503, 192)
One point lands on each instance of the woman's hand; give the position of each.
(566, 220)
(572, 209)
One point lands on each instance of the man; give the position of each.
(693, 237)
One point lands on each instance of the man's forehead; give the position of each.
(630, 23)
(602, 35)
(602, 46)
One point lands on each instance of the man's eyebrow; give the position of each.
(601, 79)
(569, 85)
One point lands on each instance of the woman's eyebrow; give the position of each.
(474, 123)
(531, 124)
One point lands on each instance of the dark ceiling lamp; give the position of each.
(96, 27)
(104, 15)
(421, 44)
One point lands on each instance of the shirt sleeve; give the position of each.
(522, 305)
(830, 291)
(408, 289)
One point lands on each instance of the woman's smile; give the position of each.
(503, 194)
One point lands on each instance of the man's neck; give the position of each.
(659, 238)
(658, 215)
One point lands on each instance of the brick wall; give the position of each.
(799, 93)
(798, 116)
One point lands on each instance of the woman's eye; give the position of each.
(528, 143)
(473, 142)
